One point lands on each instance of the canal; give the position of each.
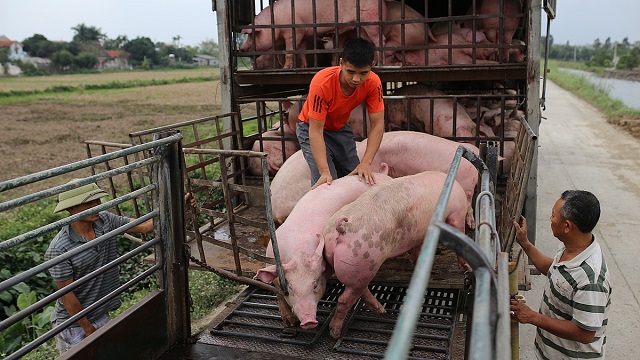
(623, 90)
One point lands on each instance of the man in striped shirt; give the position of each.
(77, 234)
(573, 315)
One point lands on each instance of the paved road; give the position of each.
(578, 149)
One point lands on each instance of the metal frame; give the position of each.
(169, 235)
(489, 312)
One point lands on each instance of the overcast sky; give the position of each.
(578, 21)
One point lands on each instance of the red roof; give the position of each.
(7, 43)
(116, 53)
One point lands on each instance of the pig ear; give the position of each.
(463, 131)
(480, 37)
(320, 246)
(431, 36)
(267, 274)
(246, 31)
(286, 105)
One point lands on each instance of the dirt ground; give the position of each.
(42, 132)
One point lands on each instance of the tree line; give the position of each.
(598, 54)
(89, 43)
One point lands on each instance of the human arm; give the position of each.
(373, 144)
(319, 151)
(565, 329)
(73, 306)
(539, 260)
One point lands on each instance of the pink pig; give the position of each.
(291, 182)
(410, 152)
(273, 148)
(301, 249)
(386, 221)
(460, 55)
(369, 11)
(418, 113)
(405, 152)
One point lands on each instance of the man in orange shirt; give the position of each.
(324, 136)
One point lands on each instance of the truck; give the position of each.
(481, 57)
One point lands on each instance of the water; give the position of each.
(623, 90)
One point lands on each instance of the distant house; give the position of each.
(114, 59)
(205, 60)
(38, 62)
(15, 48)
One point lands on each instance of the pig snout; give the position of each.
(309, 322)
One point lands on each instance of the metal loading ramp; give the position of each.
(254, 324)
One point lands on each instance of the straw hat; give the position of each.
(77, 196)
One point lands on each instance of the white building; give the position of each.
(205, 60)
(15, 48)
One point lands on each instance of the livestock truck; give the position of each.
(445, 65)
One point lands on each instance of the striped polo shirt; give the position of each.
(84, 263)
(578, 290)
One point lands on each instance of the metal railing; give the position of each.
(167, 191)
(490, 322)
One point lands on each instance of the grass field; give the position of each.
(47, 130)
(8, 83)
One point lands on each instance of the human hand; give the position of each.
(463, 264)
(363, 170)
(521, 231)
(325, 177)
(89, 329)
(521, 312)
(189, 200)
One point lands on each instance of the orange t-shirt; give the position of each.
(327, 103)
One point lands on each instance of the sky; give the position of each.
(579, 22)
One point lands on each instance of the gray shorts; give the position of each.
(342, 156)
(71, 336)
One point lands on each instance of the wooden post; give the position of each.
(515, 326)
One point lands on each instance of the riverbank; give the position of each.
(613, 110)
(622, 75)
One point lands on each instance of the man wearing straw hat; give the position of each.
(76, 234)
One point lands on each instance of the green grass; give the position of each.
(104, 86)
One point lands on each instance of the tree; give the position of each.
(141, 48)
(210, 47)
(176, 41)
(597, 44)
(4, 56)
(40, 46)
(87, 33)
(85, 61)
(117, 43)
(62, 59)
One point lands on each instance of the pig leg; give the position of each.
(288, 39)
(372, 303)
(345, 303)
